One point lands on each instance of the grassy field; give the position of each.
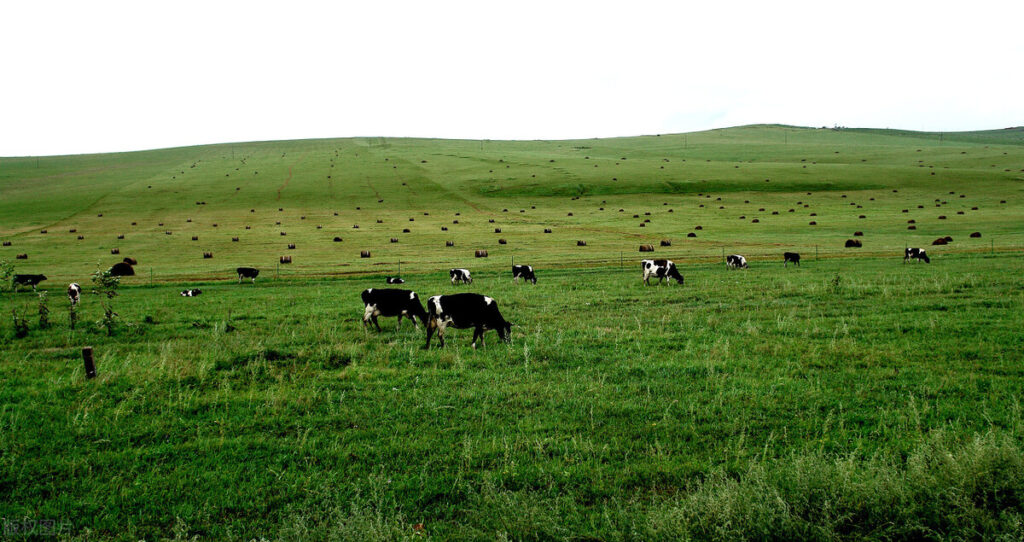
(854, 397)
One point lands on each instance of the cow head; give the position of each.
(505, 332)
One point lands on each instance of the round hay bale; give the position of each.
(646, 248)
(207, 255)
(547, 230)
(195, 237)
(364, 254)
(394, 239)
(858, 234)
(480, 253)
(449, 243)
(502, 242)
(666, 243)
(976, 235)
(337, 239)
(21, 257)
(691, 234)
(853, 243)
(581, 243)
(940, 241)
(291, 246)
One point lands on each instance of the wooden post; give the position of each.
(815, 252)
(90, 366)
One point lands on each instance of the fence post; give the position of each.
(815, 252)
(90, 366)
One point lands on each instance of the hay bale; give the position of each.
(858, 234)
(7, 243)
(666, 243)
(646, 248)
(481, 253)
(394, 239)
(364, 254)
(691, 234)
(853, 243)
(80, 237)
(21, 257)
(115, 251)
(444, 228)
(406, 230)
(285, 259)
(195, 237)
(581, 243)
(502, 242)
(812, 223)
(234, 239)
(698, 227)
(207, 255)
(940, 241)
(497, 230)
(291, 246)
(449, 243)
(755, 221)
(976, 235)
(862, 216)
(911, 227)
(248, 227)
(942, 217)
(337, 239)
(547, 230)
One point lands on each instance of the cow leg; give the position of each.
(430, 331)
(476, 333)
(398, 326)
(239, 278)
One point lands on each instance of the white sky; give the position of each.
(100, 76)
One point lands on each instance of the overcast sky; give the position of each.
(84, 77)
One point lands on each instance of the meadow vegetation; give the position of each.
(853, 397)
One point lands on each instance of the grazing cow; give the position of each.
(391, 302)
(74, 293)
(460, 275)
(27, 280)
(525, 272)
(191, 293)
(247, 273)
(916, 254)
(790, 257)
(394, 280)
(735, 261)
(462, 311)
(122, 269)
(661, 270)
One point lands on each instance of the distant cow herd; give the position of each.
(459, 311)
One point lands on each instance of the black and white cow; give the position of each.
(392, 302)
(27, 280)
(191, 293)
(247, 273)
(462, 311)
(394, 280)
(735, 261)
(661, 270)
(460, 275)
(916, 254)
(790, 257)
(74, 293)
(524, 272)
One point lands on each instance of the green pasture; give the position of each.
(831, 177)
(853, 397)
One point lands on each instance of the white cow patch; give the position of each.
(488, 301)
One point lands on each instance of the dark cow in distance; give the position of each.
(460, 275)
(524, 272)
(661, 270)
(462, 311)
(394, 280)
(191, 293)
(247, 273)
(122, 269)
(735, 261)
(74, 293)
(392, 302)
(27, 280)
(916, 254)
(790, 257)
